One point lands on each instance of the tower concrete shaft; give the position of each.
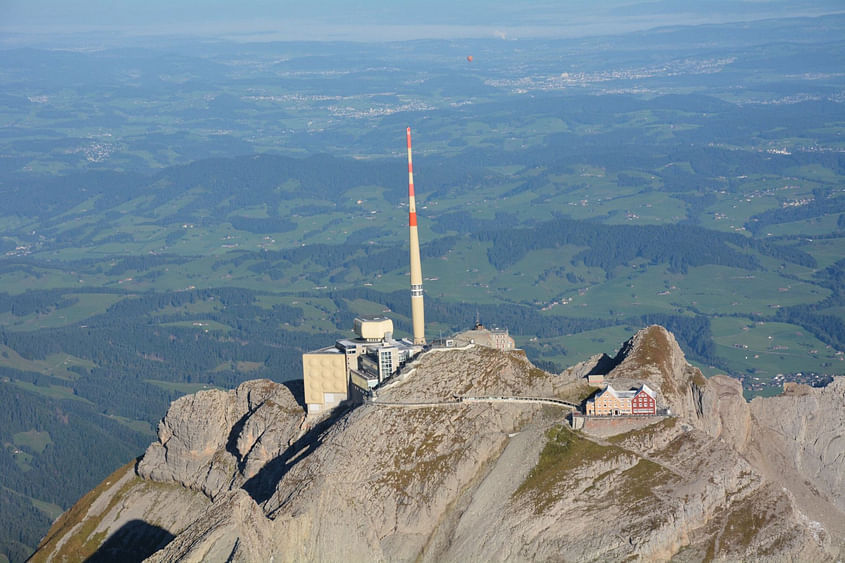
(417, 314)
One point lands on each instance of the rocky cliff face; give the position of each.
(240, 476)
(214, 441)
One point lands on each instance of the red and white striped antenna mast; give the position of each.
(417, 314)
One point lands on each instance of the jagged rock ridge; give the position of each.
(236, 476)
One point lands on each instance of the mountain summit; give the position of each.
(470, 455)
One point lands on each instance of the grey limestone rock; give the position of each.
(232, 529)
(215, 440)
(395, 480)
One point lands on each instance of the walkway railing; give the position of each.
(461, 400)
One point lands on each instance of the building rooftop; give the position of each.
(630, 393)
(373, 328)
(651, 392)
(621, 394)
(326, 350)
(350, 342)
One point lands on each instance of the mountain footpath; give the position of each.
(245, 476)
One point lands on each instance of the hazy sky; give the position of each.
(384, 19)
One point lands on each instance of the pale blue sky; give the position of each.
(385, 19)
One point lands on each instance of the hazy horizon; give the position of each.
(35, 21)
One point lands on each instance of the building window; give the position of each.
(386, 366)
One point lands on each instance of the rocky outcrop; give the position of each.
(233, 529)
(214, 440)
(807, 430)
(125, 518)
(716, 405)
(209, 444)
(722, 411)
(396, 479)
(797, 441)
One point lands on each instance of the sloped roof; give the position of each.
(620, 394)
(629, 394)
(647, 390)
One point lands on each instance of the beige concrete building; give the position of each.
(324, 374)
(353, 367)
(373, 329)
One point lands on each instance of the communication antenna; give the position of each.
(417, 314)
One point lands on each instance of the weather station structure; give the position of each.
(480, 335)
(352, 368)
